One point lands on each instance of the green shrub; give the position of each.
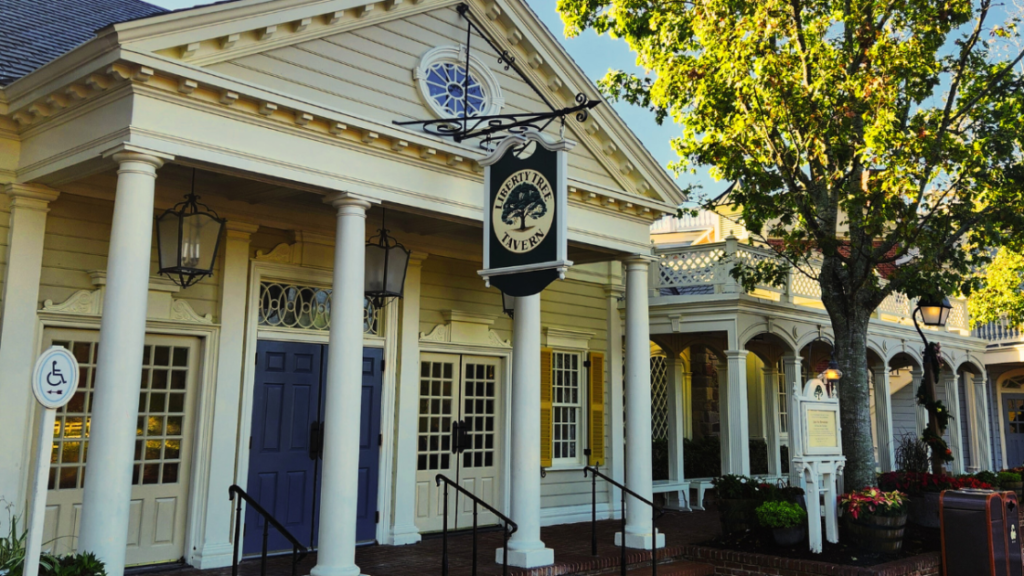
(659, 459)
(86, 564)
(1005, 478)
(12, 546)
(703, 457)
(780, 514)
(988, 477)
(758, 456)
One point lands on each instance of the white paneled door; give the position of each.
(160, 474)
(458, 392)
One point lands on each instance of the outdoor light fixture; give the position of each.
(386, 263)
(508, 305)
(832, 373)
(188, 236)
(934, 312)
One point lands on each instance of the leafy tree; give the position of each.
(1002, 296)
(872, 134)
(524, 201)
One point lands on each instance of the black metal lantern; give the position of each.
(386, 263)
(934, 312)
(508, 305)
(188, 236)
(832, 373)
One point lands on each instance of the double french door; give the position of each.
(460, 423)
(286, 443)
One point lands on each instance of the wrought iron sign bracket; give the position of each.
(496, 127)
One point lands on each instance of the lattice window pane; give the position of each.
(659, 398)
(71, 426)
(783, 404)
(566, 380)
(478, 394)
(437, 389)
(306, 308)
(162, 403)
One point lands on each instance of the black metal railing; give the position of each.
(509, 528)
(656, 512)
(298, 550)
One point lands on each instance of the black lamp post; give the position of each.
(187, 237)
(386, 264)
(508, 305)
(934, 312)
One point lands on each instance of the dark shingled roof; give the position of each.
(34, 32)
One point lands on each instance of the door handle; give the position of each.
(460, 436)
(314, 440)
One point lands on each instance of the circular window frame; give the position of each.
(493, 100)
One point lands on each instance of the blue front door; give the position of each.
(285, 446)
(1013, 416)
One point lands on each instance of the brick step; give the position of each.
(676, 568)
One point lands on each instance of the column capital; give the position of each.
(736, 354)
(347, 199)
(639, 261)
(31, 196)
(240, 230)
(416, 258)
(614, 290)
(131, 153)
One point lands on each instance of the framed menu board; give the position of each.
(820, 427)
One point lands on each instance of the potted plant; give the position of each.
(787, 520)
(1008, 480)
(738, 498)
(875, 520)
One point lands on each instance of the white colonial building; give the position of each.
(278, 376)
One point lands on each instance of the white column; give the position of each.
(676, 416)
(340, 497)
(405, 531)
(791, 368)
(214, 547)
(526, 550)
(29, 204)
(614, 362)
(771, 415)
(954, 430)
(639, 528)
(734, 412)
(916, 374)
(108, 474)
(981, 420)
(883, 419)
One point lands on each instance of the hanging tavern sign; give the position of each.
(525, 213)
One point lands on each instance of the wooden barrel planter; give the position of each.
(877, 533)
(737, 515)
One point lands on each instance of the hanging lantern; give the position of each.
(508, 305)
(188, 236)
(833, 373)
(934, 312)
(386, 264)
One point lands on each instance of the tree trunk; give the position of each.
(850, 314)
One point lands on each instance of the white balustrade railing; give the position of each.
(1000, 332)
(704, 269)
(702, 221)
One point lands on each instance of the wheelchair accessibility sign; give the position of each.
(55, 378)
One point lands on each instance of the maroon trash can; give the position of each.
(980, 533)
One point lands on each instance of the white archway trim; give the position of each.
(493, 100)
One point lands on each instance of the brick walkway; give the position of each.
(571, 543)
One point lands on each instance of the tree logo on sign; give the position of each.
(522, 214)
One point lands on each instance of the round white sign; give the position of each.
(523, 211)
(55, 377)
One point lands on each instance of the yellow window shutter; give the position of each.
(546, 425)
(596, 396)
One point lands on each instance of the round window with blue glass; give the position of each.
(453, 91)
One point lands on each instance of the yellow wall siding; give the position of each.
(5, 231)
(77, 241)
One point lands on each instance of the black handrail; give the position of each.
(656, 512)
(297, 555)
(476, 502)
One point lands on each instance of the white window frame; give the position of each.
(579, 405)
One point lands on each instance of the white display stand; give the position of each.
(817, 454)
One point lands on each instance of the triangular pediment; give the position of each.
(365, 60)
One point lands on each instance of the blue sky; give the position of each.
(595, 55)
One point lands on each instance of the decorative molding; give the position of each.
(282, 253)
(182, 311)
(465, 328)
(440, 333)
(558, 337)
(89, 302)
(161, 305)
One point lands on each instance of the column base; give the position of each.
(640, 541)
(352, 570)
(403, 536)
(213, 556)
(531, 558)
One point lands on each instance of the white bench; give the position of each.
(682, 490)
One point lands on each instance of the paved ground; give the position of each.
(571, 543)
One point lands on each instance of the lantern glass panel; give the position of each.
(935, 313)
(398, 262)
(199, 237)
(374, 269)
(167, 227)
